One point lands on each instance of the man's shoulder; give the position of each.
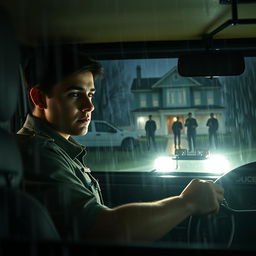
(27, 139)
(42, 154)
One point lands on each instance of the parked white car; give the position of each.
(104, 134)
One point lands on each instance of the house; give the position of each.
(173, 95)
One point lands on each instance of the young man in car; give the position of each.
(61, 89)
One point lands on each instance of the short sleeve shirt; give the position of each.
(56, 174)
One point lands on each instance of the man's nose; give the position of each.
(87, 105)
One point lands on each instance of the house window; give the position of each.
(143, 100)
(210, 99)
(197, 98)
(176, 96)
(155, 100)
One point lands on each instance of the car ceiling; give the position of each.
(100, 21)
(117, 21)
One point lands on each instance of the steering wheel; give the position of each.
(214, 229)
(229, 228)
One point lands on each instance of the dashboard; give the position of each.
(234, 226)
(240, 187)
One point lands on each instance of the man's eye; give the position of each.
(73, 95)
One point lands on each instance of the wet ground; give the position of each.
(162, 159)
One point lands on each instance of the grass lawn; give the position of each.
(116, 160)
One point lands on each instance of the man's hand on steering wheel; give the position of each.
(203, 197)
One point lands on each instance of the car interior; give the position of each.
(206, 50)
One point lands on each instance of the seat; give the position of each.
(21, 216)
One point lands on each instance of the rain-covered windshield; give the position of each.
(198, 121)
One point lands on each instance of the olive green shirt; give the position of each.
(55, 173)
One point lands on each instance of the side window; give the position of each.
(101, 127)
(90, 128)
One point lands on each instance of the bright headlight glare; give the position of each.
(217, 164)
(164, 164)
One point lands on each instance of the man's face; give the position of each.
(69, 104)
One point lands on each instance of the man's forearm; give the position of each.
(140, 221)
(150, 221)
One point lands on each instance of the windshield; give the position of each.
(134, 91)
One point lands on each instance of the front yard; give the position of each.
(143, 159)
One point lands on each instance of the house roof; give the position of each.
(144, 84)
(172, 79)
(207, 82)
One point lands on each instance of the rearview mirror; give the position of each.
(211, 64)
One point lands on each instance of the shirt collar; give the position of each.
(44, 129)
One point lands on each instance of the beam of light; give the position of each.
(141, 119)
(164, 164)
(217, 164)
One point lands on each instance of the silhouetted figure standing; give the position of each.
(213, 125)
(150, 128)
(191, 125)
(176, 128)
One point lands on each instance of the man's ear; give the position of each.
(38, 97)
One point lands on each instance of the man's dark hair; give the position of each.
(48, 65)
